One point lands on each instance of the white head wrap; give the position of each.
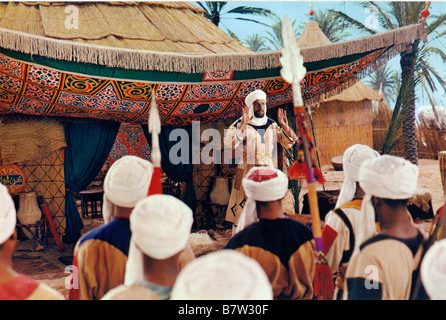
(8, 216)
(386, 177)
(433, 271)
(261, 184)
(161, 226)
(222, 275)
(249, 100)
(352, 159)
(126, 182)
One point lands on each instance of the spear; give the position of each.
(154, 126)
(293, 72)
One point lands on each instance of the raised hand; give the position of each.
(246, 119)
(283, 121)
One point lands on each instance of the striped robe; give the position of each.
(100, 257)
(384, 269)
(284, 249)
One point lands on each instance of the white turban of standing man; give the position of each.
(126, 182)
(222, 275)
(161, 226)
(261, 184)
(8, 218)
(386, 177)
(433, 271)
(250, 98)
(352, 159)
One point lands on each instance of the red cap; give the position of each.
(263, 174)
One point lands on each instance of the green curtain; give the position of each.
(88, 146)
(181, 172)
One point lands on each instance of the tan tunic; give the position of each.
(383, 269)
(256, 146)
(284, 248)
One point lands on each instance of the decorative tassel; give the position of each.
(323, 277)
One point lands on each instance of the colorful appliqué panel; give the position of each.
(38, 90)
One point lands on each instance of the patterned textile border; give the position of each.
(130, 140)
(36, 89)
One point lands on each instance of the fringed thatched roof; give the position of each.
(124, 52)
(153, 26)
(312, 35)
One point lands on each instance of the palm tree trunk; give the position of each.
(408, 60)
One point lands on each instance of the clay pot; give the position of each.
(220, 192)
(29, 212)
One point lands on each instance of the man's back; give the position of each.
(101, 256)
(383, 269)
(283, 247)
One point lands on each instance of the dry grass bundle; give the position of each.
(203, 242)
(431, 133)
(29, 138)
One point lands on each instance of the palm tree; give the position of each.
(386, 80)
(274, 34)
(256, 43)
(214, 11)
(392, 15)
(334, 29)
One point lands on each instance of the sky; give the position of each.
(299, 10)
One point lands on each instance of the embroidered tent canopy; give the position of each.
(121, 53)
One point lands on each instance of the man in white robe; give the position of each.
(254, 138)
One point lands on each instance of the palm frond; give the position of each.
(251, 10)
(440, 21)
(352, 22)
(252, 20)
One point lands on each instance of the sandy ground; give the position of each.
(49, 264)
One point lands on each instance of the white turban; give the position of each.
(261, 184)
(126, 182)
(161, 225)
(222, 275)
(8, 218)
(433, 271)
(249, 100)
(352, 159)
(386, 177)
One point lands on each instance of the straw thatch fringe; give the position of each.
(189, 63)
(313, 103)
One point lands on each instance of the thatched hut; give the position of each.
(341, 120)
